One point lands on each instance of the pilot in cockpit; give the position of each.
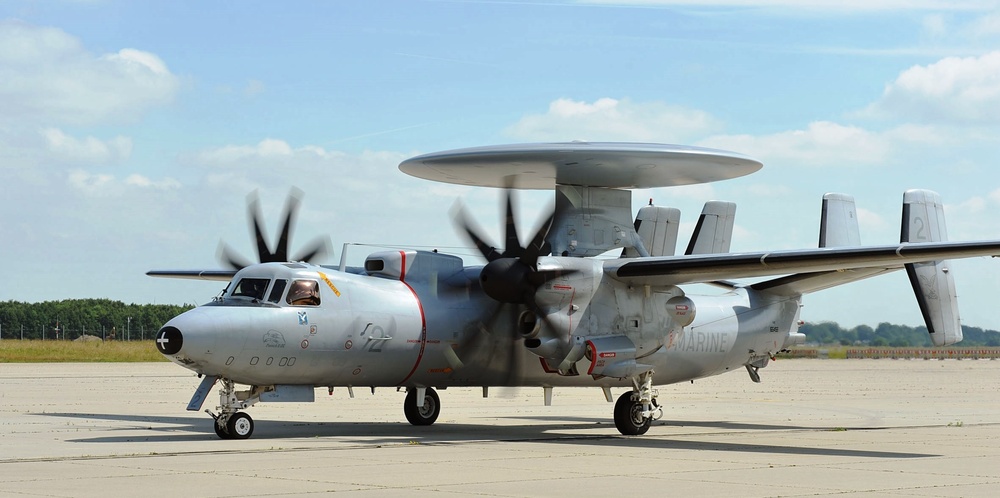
(303, 293)
(251, 287)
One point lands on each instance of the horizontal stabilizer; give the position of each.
(839, 222)
(714, 232)
(657, 228)
(933, 283)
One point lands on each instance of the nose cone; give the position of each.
(189, 338)
(169, 340)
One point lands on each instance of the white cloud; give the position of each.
(958, 90)
(935, 25)
(823, 143)
(254, 88)
(88, 150)
(47, 76)
(872, 222)
(986, 26)
(145, 182)
(105, 184)
(846, 6)
(972, 218)
(609, 119)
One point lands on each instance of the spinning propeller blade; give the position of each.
(510, 275)
(317, 249)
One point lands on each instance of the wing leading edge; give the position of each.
(220, 275)
(863, 262)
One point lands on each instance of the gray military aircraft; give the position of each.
(545, 311)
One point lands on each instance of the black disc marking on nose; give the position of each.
(169, 340)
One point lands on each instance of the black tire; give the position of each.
(240, 426)
(425, 415)
(628, 416)
(219, 430)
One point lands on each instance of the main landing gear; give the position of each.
(422, 405)
(231, 423)
(637, 409)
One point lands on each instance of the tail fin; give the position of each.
(933, 283)
(839, 222)
(714, 232)
(657, 228)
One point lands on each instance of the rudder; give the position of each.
(932, 282)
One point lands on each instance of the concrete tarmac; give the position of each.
(813, 428)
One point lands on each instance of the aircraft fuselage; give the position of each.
(436, 328)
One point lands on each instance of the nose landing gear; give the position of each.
(231, 423)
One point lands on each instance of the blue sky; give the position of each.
(132, 132)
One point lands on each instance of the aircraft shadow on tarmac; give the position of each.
(564, 430)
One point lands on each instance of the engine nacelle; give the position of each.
(681, 310)
(412, 265)
(613, 356)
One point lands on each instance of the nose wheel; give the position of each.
(230, 423)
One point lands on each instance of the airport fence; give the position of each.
(878, 353)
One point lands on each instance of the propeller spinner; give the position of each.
(511, 276)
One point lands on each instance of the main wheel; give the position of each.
(240, 426)
(425, 415)
(220, 431)
(628, 416)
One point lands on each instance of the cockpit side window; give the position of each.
(303, 293)
(276, 290)
(253, 288)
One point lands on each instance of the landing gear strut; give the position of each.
(637, 409)
(422, 406)
(231, 423)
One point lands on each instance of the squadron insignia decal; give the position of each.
(274, 339)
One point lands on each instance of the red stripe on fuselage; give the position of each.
(423, 320)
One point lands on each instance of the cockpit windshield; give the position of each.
(252, 288)
(277, 290)
(303, 293)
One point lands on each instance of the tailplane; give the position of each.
(657, 228)
(933, 283)
(839, 222)
(714, 232)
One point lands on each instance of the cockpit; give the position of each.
(282, 287)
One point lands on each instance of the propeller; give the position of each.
(319, 247)
(511, 275)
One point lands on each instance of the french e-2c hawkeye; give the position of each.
(544, 311)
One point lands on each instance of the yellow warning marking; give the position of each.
(328, 282)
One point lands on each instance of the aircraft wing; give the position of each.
(821, 265)
(221, 275)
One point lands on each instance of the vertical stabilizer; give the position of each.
(933, 283)
(714, 232)
(657, 228)
(839, 222)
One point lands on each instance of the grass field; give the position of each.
(78, 351)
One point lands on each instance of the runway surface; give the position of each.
(812, 428)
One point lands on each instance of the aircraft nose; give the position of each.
(169, 340)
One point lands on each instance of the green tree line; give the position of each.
(72, 318)
(891, 335)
